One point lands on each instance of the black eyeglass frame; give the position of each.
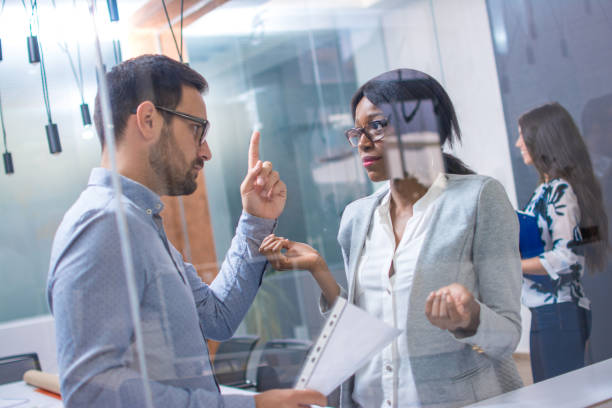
(204, 123)
(384, 122)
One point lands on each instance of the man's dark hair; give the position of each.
(150, 77)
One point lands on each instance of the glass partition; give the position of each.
(209, 301)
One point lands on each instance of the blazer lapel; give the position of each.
(359, 231)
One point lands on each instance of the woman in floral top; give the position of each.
(574, 231)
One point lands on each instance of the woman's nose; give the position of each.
(364, 142)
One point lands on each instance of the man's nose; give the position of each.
(204, 151)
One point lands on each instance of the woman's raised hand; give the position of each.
(453, 308)
(296, 256)
(300, 256)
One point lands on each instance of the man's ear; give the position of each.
(148, 121)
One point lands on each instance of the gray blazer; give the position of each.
(473, 241)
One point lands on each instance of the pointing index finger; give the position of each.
(254, 149)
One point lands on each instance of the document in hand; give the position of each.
(348, 340)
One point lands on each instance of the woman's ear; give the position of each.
(148, 121)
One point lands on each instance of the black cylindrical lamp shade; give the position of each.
(85, 114)
(8, 163)
(113, 12)
(53, 138)
(33, 53)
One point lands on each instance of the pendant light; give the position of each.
(8, 158)
(35, 50)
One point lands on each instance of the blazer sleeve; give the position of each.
(496, 259)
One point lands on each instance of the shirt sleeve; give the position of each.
(562, 219)
(497, 265)
(222, 305)
(95, 330)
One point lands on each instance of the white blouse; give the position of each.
(387, 381)
(555, 206)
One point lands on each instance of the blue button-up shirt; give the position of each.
(88, 296)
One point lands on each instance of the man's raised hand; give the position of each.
(263, 192)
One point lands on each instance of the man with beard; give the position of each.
(160, 125)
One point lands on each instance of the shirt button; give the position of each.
(149, 212)
(388, 368)
(158, 206)
(389, 402)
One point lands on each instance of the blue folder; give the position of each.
(530, 240)
(531, 245)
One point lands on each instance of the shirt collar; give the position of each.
(144, 198)
(433, 192)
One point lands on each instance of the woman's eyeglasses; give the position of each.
(374, 131)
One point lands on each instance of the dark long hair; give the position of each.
(558, 151)
(402, 85)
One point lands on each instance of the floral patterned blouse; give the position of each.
(555, 206)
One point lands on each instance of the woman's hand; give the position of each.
(297, 255)
(455, 309)
(300, 256)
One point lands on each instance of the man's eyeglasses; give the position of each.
(374, 131)
(201, 129)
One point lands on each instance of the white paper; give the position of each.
(355, 338)
(21, 395)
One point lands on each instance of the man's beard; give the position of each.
(164, 158)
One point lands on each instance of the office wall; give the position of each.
(560, 51)
(31, 335)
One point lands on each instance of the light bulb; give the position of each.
(87, 133)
